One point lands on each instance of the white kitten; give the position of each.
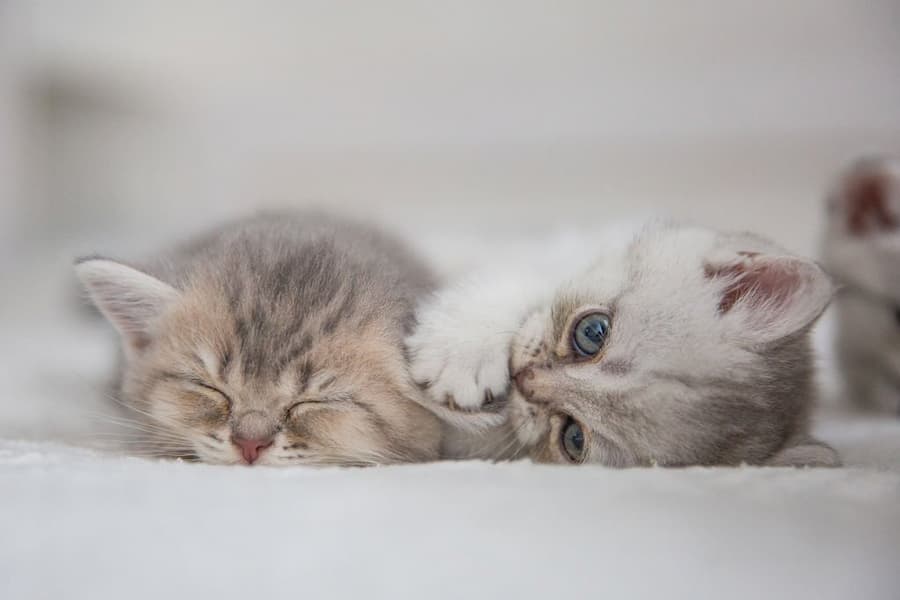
(681, 346)
(862, 250)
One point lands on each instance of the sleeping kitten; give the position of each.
(276, 340)
(683, 346)
(862, 250)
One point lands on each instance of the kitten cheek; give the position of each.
(213, 445)
(203, 412)
(216, 457)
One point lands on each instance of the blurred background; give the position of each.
(123, 124)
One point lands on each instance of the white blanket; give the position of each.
(75, 524)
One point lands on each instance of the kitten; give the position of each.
(275, 340)
(862, 250)
(683, 346)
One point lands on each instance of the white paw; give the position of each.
(460, 353)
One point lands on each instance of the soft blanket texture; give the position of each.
(80, 525)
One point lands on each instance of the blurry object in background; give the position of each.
(862, 250)
(86, 131)
(139, 120)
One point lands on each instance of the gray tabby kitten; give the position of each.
(677, 346)
(276, 340)
(862, 250)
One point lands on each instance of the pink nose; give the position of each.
(251, 449)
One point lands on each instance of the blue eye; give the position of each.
(590, 333)
(573, 440)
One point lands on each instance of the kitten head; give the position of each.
(688, 347)
(862, 250)
(221, 370)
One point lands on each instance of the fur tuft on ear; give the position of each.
(770, 297)
(866, 199)
(130, 299)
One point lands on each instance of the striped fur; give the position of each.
(282, 327)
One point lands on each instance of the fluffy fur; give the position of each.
(707, 361)
(862, 250)
(275, 340)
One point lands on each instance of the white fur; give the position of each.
(460, 349)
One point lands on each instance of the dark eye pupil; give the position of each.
(590, 333)
(577, 438)
(594, 332)
(572, 440)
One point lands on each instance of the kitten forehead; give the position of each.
(660, 256)
(674, 245)
(211, 360)
(567, 306)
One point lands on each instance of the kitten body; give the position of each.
(274, 340)
(861, 248)
(706, 359)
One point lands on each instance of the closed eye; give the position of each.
(331, 400)
(197, 382)
(300, 403)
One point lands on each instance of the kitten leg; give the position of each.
(460, 349)
(810, 452)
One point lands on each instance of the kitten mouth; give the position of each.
(530, 421)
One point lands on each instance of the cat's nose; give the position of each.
(526, 385)
(522, 378)
(251, 449)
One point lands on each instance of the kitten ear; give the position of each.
(130, 299)
(866, 199)
(770, 297)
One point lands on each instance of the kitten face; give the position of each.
(688, 348)
(344, 400)
(268, 362)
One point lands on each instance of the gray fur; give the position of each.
(285, 328)
(707, 361)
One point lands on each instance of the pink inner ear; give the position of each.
(866, 198)
(758, 283)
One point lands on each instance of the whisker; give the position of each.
(497, 449)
